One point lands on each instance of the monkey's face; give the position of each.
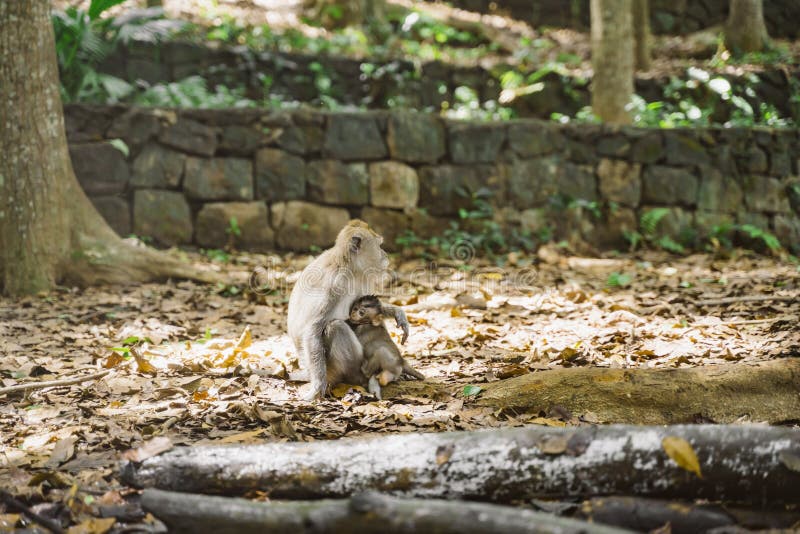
(366, 310)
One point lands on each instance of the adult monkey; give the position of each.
(320, 303)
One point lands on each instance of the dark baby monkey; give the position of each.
(382, 360)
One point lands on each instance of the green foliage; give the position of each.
(476, 232)
(233, 228)
(650, 219)
(471, 391)
(215, 254)
(648, 233)
(84, 39)
(616, 279)
(754, 232)
(192, 92)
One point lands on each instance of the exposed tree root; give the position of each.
(765, 392)
(750, 464)
(365, 513)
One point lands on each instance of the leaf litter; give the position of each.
(193, 364)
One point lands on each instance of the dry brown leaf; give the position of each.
(444, 453)
(63, 451)
(150, 448)
(95, 525)
(555, 444)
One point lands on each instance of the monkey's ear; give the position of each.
(355, 243)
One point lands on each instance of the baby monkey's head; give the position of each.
(366, 310)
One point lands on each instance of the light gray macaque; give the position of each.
(382, 360)
(320, 304)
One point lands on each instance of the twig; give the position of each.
(759, 321)
(747, 298)
(46, 522)
(30, 386)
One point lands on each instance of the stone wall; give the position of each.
(666, 16)
(403, 83)
(292, 179)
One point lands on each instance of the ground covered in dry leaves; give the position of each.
(195, 364)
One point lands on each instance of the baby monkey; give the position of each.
(382, 360)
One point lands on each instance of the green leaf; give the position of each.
(471, 391)
(97, 7)
(120, 145)
(132, 340)
(618, 280)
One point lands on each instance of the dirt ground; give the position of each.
(198, 364)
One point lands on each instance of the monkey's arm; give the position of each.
(315, 360)
(399, 317)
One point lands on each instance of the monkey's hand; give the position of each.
(400, 318)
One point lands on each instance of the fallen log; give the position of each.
(647, 515)
(367, 513)
(761, 392)
(749, 464)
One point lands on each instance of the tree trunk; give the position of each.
(367, 513)
(49, 231)
(612, 59)
(745, 30)
(740, 463)
(641, 33)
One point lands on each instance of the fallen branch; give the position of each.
(32, 386)
(364, 513)
(765, 392)
(747, 298)
(50, 524)
(648, 515)
(741, 463)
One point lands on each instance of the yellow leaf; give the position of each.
(455, 312)
(682, 453)
(245, 340)
(144, 366)
(113, 360)
(94, 525)
(340, 390)
(242, 437)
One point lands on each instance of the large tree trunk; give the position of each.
(49, 231)
(641, 33)
(739, 463)
(612, 59)
(745, 30)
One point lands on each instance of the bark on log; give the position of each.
(366, 513)
(647, 515)
(747, 463)
(764, 392)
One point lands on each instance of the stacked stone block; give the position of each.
(292, 179)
